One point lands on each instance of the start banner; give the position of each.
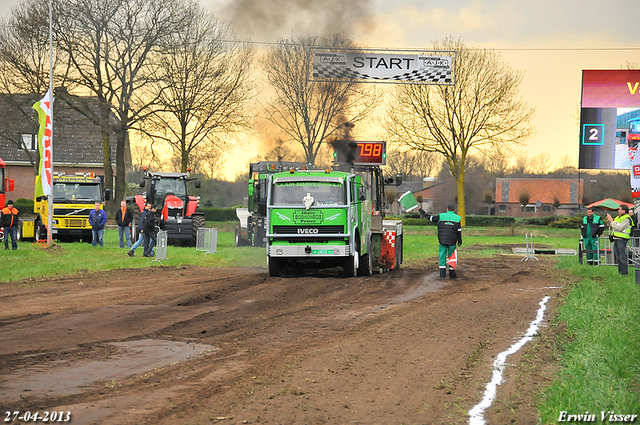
(375, 66)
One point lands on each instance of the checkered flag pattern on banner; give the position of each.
(330, 72)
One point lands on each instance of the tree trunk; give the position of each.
(121, 139)
(108, 170)
(461, 201)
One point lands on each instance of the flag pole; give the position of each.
(50, 203)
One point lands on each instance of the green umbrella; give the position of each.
(609, 204)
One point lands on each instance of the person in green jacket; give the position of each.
(592, 228)
(621, 226)
(449, 233)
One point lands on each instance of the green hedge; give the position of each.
(472, 220)
(568, 223)
(489, 221)
(24, 205)
(219, 214)
(540, 221)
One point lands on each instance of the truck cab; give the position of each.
(330, 218)
(74, 196)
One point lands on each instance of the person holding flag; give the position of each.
(449, 233)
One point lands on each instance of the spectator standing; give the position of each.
(621, 226)
(149, 228)
(449, 233)
(124, 217)
(97, 220)
(10, 223)
(131, 252)
(592, 228)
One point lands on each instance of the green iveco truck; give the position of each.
(333, 218)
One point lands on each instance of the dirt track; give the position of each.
(234, 346)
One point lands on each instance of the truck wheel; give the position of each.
(366, 265)
(350, 265)
(40, 231)
(240, 241)
(198, 222)
(275, 267)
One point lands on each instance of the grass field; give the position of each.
(420, 244)
(599, 352)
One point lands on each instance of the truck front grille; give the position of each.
(80, 223)
(308, 230)
(72, 211)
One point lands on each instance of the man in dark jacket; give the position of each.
(449, 233)
(592, 228)
(149, 231)
(10, 224)
(147, 207)
(97, 220)
(124, 217)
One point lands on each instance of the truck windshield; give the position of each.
(77, 192)
(1, 180)
(294, 193)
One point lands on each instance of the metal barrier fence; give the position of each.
(530, 251)
(161, 246)
(606, 256)
(207, 240)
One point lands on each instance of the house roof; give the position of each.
(76, 139)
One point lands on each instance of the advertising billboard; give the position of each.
(609, 119)
(376, 66)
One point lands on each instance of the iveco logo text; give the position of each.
(314, 231)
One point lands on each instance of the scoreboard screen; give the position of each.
(360, 153)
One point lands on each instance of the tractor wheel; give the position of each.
(198, 222)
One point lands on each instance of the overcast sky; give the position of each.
(594, 34)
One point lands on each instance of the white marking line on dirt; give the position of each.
(476, 415)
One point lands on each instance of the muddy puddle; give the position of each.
(123, 359)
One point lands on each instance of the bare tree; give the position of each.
(565, 164)
(204, 87)
(310, 113)
(24, 70)
(412, 164)
(111, 46)
(522, 164)
(541, 164)
(481, 111)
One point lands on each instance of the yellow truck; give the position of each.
(74, 196)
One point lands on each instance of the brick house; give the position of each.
(541, 197)
(77, 142)
(436, 196)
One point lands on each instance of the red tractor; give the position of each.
(168, 191)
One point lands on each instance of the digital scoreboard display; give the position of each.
(360, 153)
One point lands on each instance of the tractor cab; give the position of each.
(178, 209)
